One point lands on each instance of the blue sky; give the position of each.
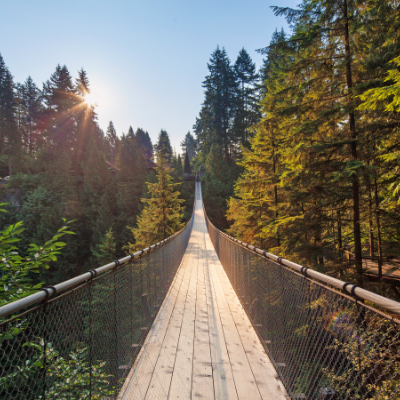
(146, 60)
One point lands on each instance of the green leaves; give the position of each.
(15, 281)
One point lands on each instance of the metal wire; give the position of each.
(81, 343)
(322, 343)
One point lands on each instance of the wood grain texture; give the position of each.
(202, 344)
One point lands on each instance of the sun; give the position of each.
(90, 100)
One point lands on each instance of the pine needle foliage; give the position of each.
(163, 212)
(321, 177)
(187, 168)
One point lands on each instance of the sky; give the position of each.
(146, 60)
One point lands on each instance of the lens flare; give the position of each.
(89, 99)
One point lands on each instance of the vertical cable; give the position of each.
(141, 286)
(90, 337)
(116, 364)
(44, 308)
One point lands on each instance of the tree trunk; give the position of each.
(378, 231)
(30, 136)
(9, 158)
(371, 226)
(275, 192)
(340, 242)
(353, 133)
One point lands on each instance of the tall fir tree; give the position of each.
(32, 112)
(162, 214)
(106, 249)
(144, 142)
(8, 124)
(179, 169)
(247, 111)
(187, 169)
(82, 86)
(112, 142)
(214, 122)
(163, 146)
(188, 145)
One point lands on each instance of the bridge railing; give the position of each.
(80, 338)
(324, 337)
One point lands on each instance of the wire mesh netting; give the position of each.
(82, 343)
(322, 343)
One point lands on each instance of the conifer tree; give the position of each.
(218, 185)
(163, 146)
(131, 133)
(131, 178)
(9, 135)
(82, 86)
(214, 122)
(187, 169)
(85, 119)
(162, 214)
(188, 145)
(326, 21)
(179, 170)
(106, 250)
(313, 182)
(32, 110)
(112, 141)
(144, 142)
(247, 110)
(174, 160)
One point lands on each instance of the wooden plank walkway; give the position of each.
(202, 344)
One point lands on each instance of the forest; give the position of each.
(299, 157)
(59, 168)
(302, 156)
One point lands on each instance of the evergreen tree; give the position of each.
(316, 180)
(187, 169)
(327, 21)
(9, 137)
(179, 170)
(131, 133)
(163, 146)
(112, 141)
(162, 213)
(85, 118)
(32, 111)
(130, 180)
(106, 250)
(214, 122)
(60, 99)
(82, 86)
(218, 185)
(144, 142)
(188, 145)
(247, 110)
(174, 160)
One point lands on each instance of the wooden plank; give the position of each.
(181, 384)
(202, 344)
(143, 368)
(202, 381)
(245, 383)
(224, 384)
(264, 373)
(162, 374)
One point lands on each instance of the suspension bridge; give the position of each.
(201, 315)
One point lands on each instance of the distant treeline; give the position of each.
(62, 165)
(302, 157)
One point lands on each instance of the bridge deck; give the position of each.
(202, 345)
